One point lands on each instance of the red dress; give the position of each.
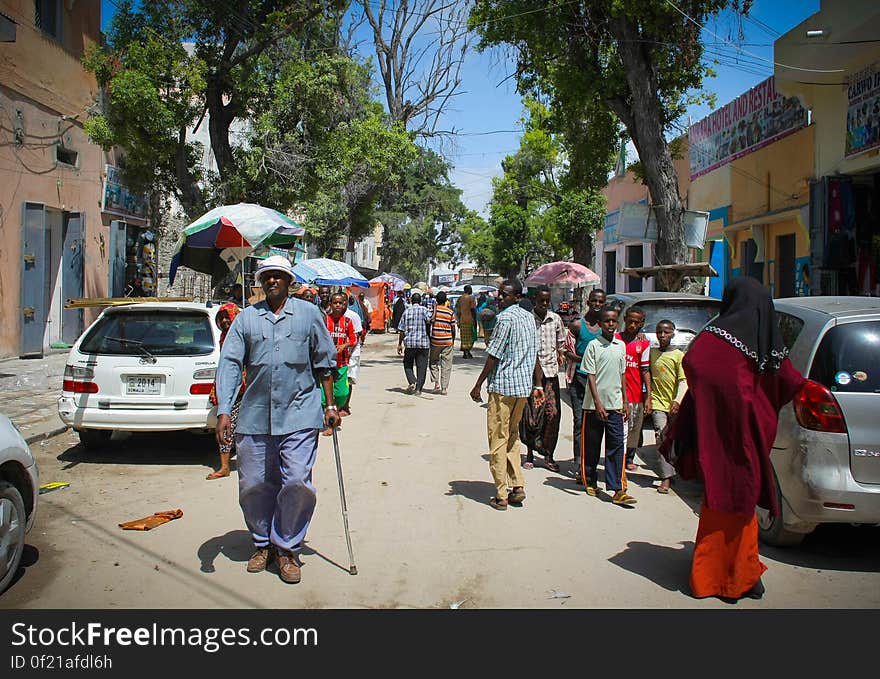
(723, 435)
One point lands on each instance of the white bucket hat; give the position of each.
(274, 263)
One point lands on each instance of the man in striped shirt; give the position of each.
(442, 341)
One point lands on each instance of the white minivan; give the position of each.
(142, 367)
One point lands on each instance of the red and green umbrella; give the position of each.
(218, 240)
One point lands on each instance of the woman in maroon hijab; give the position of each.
(738, 378)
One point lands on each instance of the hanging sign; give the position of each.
(863, 111)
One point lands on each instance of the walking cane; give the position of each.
(352, 569)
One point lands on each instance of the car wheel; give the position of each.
(12, 529)
(771, 529)
(93, 439)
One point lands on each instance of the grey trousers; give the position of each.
(275, 488)
(664, 469)
(441, 365)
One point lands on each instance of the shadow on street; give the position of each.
(833, 547)
(666, 567)
(181, 448)
(478, 491)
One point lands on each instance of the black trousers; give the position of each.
(420, 358)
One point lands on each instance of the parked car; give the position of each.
(19, 488)
(689, 313)
(142, 367)
(826, 457)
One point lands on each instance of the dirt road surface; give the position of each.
(424, 536)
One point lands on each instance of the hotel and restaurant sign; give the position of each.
(863, 111)
(751, 121)
(117, 199)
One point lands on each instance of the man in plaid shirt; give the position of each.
(413, 333)
(514, 373)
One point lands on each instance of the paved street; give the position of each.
(424, 535)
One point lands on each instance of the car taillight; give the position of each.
(816, 408)
(201, 388)
(75, 372)
(79, 387)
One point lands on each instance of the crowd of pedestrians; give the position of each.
(713, 410)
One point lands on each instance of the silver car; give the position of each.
(689, 313)
(826, 456)
(19, 487)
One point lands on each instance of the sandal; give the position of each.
(552, 466)
(623, 499)
(592, 491)
(219, 474)
(496, 503)
(528, 465)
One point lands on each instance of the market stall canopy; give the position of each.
(477, 289)
(322, 271)
(218, 240)
(562, 273)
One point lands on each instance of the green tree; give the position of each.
(635, 59)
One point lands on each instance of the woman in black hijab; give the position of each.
(738, 379)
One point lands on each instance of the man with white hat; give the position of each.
(283, 344)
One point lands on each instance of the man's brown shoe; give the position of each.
(260, 559)
(516, 496)
(288, 568)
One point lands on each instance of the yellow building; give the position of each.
(751, 166)
(831, 63)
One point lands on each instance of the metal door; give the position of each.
(33, 279)
(785, 265)
(116, 257)
(72, 275)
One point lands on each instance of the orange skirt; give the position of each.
(726, 562)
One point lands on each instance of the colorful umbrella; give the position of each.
(328, 272)
(564, 273)
(221, 238)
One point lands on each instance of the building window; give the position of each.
(635, 259)
(47, 17)
(66, 155)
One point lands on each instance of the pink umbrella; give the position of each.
(566, 273)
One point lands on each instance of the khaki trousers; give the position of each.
(441, 365)
(502, 422)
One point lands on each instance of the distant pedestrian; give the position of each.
(487, 310)
(465, 313)
(413, 334)
(738, 377)
(539, 426)
(283, 344)
(367, 306)
(442, 344)
(668, 387)
(583, 331)
(514, 374)
(397, 311)
(605, 410)
(638, 381)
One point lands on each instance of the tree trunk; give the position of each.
(220, 118)
(582, 251)
(642, 115)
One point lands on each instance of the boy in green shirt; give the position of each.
(605, 409)
(668, 388)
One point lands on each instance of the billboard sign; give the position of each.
(637, 222)
(863, 111)
(753, 120)
(117, 199)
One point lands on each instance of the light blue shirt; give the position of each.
(514, 343)
(281, 355)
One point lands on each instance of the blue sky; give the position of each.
(488, 108)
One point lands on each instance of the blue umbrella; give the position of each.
(323, 271)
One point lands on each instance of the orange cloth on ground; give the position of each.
(149, 522)
(726, 559)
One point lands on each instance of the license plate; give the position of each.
(143, 384)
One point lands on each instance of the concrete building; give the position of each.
(61, 204)
(831, 63)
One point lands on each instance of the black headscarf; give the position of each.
(748, 321)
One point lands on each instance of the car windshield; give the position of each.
(151, 333)
(686, 314)
(848, 358)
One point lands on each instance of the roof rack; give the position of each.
(86, 302)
